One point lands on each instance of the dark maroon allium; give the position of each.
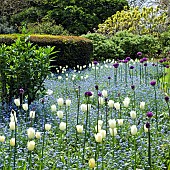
(148, 125)
(159, 52)
(128, 58)
(149, 114)
(21, 91)
(139, 53)
(166, 98)
(132, 87)
(125, 61)
(95, 62)
(116, 65)
(96, 87)
(131, 67)
(145, 64)
(167, 66)
(106, 99)
(152, 83)
(88, 94)
(153, 64)
(161, 61)
(145, 59)
(109, 77)
(99, 94)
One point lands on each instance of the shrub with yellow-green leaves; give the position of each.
(138, 21)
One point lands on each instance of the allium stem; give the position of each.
(149, 149)
(135, 149)
(156, 109)
(106, 111)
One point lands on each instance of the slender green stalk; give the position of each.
(156, 108)
(149, 148)
(135, 149)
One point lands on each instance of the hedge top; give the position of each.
(44, 39)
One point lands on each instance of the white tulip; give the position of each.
(62, 126)
(17, 102)
(38, 135)
(79, 128)
(2, 138)
(104, 93)
(53, 108)
(60, 114)
(103, 132)
(142, 105)
(113, 132)
(25, 106)
(68, 102)
(12, 141)
(83, 107)
(111, 103)
(100, 122)
(117, 105)
(12, 125)
(31, 133)
(133, 114)
(98, 137)
(120, 121)
(32, 114)
(101, 100)
(145, 128)
(47, 127)
(60, 101)
(112, 123)
(30, 145)
(133, 130)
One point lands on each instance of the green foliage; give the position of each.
(146, 21)
(104, 48)
(132, 43)
(23, 65)
(71, 50)
(76, 16)
(46, 28)
(165, 41)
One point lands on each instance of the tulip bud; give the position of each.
(92, 163)
(133, 114)
(53, 108)
(101, 100)
(60, 114)
(133, 130)
(30, 145)
(32, 114)
(62, 126)
(103, 132)
(104, 93)
(2, 138)
(38, 135)
(98, 137)
(142, 105)
(47, 127)
(30, 132)
(12, 141)
(79, 128)
(112, 123)
(117, 106)
(17, 102)
(25, 106)
(100, 122)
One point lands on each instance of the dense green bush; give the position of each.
(104, 48)
(23, 65)
(132, 43)
(45, 28)
(71, 50)
(165, 41)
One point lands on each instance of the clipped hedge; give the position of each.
(71, 50)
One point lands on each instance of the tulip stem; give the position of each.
(135, 152)
(156, 109)
(149, 148)
(102, 156)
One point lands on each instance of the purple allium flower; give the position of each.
(166, 98)
(125, 61)
(106, 99)
(145, 64)
(131, 67)
(145, 59)
(116, 65)
(149, 114)
(139, 53)
(148, 125)
(161, 61)
(128, 58)
(21, 91)
(164, 59)
(141, 60)
(109, 77)
(99, 94)
(152, 83)
(132, 87)
(96, 87)
(88, 94)
(167, 66)
(153, 64)
(95, 62)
